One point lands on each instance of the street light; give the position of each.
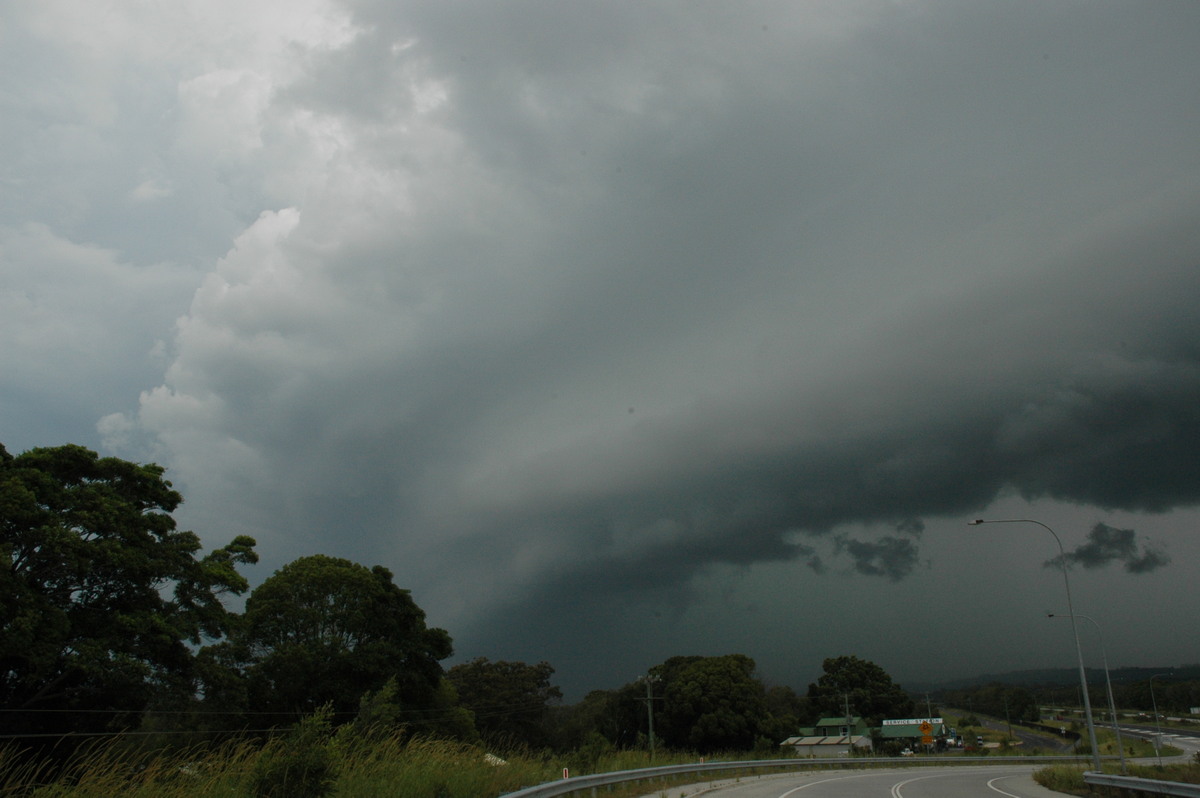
(1157, 722)
(1112, 705)
(1087, 704)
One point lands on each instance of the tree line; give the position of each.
(115, 621)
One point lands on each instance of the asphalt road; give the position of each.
(1030, 740)
(973, 781)
(1187, 741)
(961, 781)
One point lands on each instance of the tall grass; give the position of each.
(423, 768)
(1063, 778)
(1069, 778)
(365, 765)
(105, 769)
(384, 766)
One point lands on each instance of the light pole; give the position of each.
(1087, 704)
(1112, 705)
(1157, 722)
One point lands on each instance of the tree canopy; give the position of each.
(510, 700)
(100, 594)
(325, 630)
(711, 703)
(867, 688)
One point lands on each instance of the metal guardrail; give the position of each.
(577, 783)
(1152, 786)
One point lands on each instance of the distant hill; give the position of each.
(1044, 677)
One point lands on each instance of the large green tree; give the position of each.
(326, 630)
(786, 712)
(710, 703)
(866, 687)
(102, 599)
(510, 700)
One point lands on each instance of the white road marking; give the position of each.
(822, 781)
(992, 785)
(896, 787)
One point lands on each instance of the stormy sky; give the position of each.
(623, 331)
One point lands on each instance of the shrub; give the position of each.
(1062, 778)
(300, 764)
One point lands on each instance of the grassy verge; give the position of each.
(1106, 741)
(1069, 778)
(386, 765)
(314, 761)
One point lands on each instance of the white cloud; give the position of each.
(72, 308)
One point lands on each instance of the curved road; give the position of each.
(1185, 740)
(924, 781)
(962, 781)
(1030, 739)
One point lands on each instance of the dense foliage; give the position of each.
(862, 686)
(712, 703)
(324, 630)
(1000, 701)
(1174, 692)
(102, 598)
(510, 701)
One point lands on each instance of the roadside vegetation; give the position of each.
(123, 672)
(999, 741)
(1069, 778)
(310, 762)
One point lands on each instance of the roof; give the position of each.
(839, 740)
(854, 721)
(909, 730)
(827, 726)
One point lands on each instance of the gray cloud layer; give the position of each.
(1106, 545)
(550, 306)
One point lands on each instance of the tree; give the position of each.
(381, 713)
(619, 716)
(1000, 701)
(867, 688)
(100, 594)
(786, 712)
(711, 703)
(510, 700)
(326, 630)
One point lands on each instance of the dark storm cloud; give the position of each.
(1106, 545)
(1151, 560)
(928, 426)
(551, 306)
(893, 558)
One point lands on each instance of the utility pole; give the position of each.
(650, 699)
(849, 724)
(929, 717)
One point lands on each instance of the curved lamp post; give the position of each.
(1112, 705)
(1157, 721)
(1087, 704)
